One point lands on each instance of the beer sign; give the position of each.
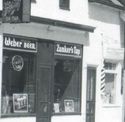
(20, 103)
(22, 44)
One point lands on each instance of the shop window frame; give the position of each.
(114, 71)
(22, 114)
(80, 86)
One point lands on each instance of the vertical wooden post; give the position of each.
(123, 102)
(123, 105)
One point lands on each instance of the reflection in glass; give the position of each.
(18, 79)
(67, 86)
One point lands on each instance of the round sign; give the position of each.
(17, 62)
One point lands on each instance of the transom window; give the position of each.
(110, 66)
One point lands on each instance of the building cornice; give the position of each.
(64, 24)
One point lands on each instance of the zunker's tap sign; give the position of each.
(16, 43)
(66, 49)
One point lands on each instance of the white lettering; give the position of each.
(11, 42)
(29, 45)
(21, 102)
(64, 49)
(76, 51)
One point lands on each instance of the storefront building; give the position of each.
(41, 63)
(51, 69)
(41, 67)
(55, 79)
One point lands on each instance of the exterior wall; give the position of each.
(1, 50)
(78, 12)
(1, 4)
(107, 36)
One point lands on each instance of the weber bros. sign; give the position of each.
(68, 50)
(15, 43)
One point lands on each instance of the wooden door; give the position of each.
(90, 96)
(44, 82)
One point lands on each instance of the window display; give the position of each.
(110, 88)
(67, 86)
(18, 83)
(110, 80)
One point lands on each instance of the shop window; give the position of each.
(18, 83)
(67, 86)
(64, 4)
(110, 87)
(110, 83)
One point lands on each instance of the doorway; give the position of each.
(44, 79)
(91, 94)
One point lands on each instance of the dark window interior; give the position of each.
(64, 4)
(67, 86)
(18, 83)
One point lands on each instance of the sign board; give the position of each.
(12, 10)
(114, 54)
(17, 62)
(16, 11)
(17, 43)
(20, 103)
(66, 49)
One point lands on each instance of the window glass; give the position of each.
(18, 83)
(64, 4)
(67, 86)
(33, 1)
(110, 66)
(110, 88)
(109, 83)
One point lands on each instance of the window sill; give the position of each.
(111, 105)
(65, 8)
(18, 115)
(63, 114)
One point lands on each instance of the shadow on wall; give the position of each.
(103, 13)
(107, 15)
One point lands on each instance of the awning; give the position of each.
(119, 4)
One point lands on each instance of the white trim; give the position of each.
(22, 50)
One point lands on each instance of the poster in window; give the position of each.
(20, 103)
(12, 10)
(69, 105)
(56, 107)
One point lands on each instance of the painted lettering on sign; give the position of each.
(12, 42)
(68, 49)
(19, 43)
